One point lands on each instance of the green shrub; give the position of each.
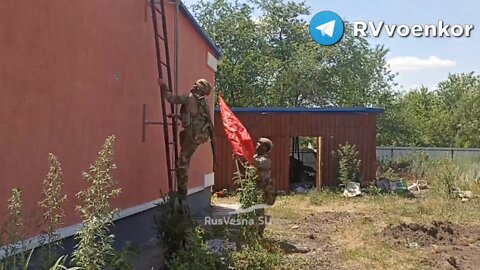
(348, 164)
(95, 249)
(447, 176)
(173, 224)
(197, 255)
(51, 204)
(249, 196)
(125, 259)
(12, 234)
(257, 257)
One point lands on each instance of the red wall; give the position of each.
(58, 93)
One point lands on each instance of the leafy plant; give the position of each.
(257, 257)
(60, 265)
(95, 249)
(198, 256)
(447, 175)
(348, 164)
(173, 224)
(13, 246)
(250, 195)
(53, 211)
(124, 259)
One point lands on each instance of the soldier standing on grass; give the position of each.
(197, 124)
(262, 162)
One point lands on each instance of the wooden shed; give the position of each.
(331, 127)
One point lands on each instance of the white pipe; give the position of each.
(177, 15)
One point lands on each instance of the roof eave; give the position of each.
(307, 110)
(216, 51)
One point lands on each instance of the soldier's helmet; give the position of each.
(204, 87)
(267, 142)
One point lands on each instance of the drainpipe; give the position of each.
(177, 15)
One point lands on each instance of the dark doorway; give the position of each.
(304, 163)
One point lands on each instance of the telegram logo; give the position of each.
(326, 28)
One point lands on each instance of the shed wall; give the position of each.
(334, 128)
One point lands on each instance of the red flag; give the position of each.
(237, 134)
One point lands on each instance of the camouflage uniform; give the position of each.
(263, 163)
(197, 124)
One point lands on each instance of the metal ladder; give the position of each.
(169, 121)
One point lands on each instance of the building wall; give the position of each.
(73, 73)
(334, 128)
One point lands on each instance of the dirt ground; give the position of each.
(380, 232)
(453, 246)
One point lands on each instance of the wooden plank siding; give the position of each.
(335, 128)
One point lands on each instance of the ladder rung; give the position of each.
(158, 10)
(160, 37)
(163, 63)
(156, 123)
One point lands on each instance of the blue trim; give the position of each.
(216, 51)
(309, 110)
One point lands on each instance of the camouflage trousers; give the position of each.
(189, 142)
(267, 186)
(269, 191)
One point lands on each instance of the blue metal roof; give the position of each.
(308, 110)
(216, 51)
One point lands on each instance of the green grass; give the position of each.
(360, 245)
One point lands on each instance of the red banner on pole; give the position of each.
(237, 134)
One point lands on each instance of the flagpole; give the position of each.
(238, 167)
(236, 164)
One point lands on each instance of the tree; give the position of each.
(445, 117)
(272, 60)
(242, 74)
(460, 95)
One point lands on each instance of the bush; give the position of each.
(198, 256)
(250, 196)
(257, 257)
(447, 176)
(173, 224)
(12, 233)
(51, 204)
(348, 164)
(95, 249)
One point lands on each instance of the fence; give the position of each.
(308, 156)
(453, 153)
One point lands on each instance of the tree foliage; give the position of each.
(269, 59)
(444, 117)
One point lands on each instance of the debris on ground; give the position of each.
(393, 186)
(290, 248)
(464, 195)
(220, 246)
(302, 187)
(300, 190)
(352, 190)
(221, 194)
(418, 186)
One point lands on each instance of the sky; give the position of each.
(418, 61)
